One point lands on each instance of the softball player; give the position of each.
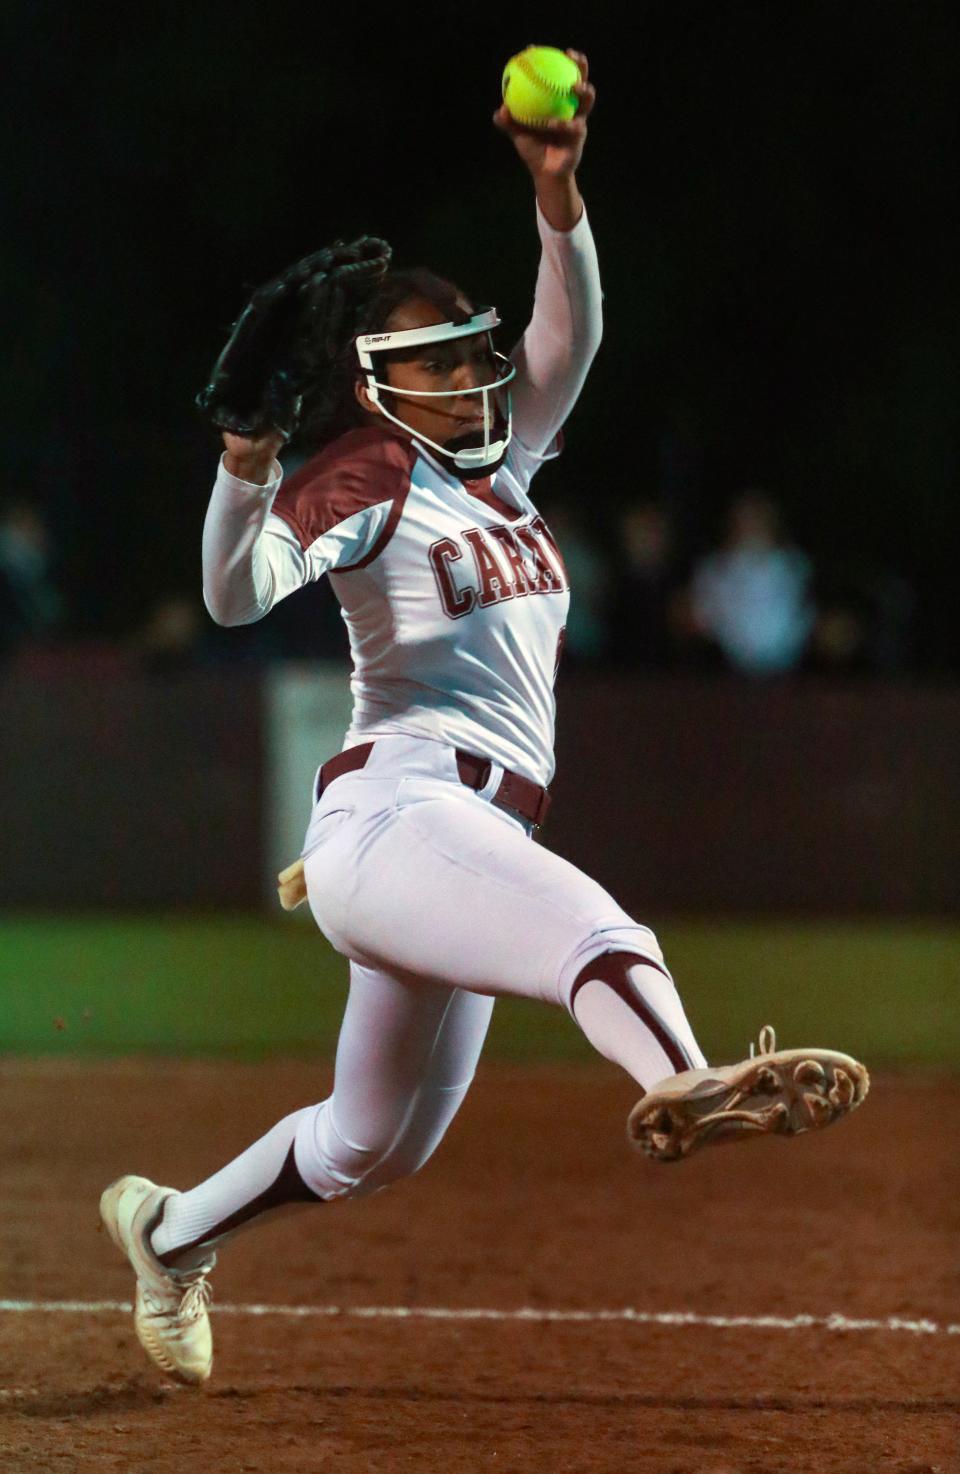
(419, 861)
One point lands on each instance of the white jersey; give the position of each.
(454, 593)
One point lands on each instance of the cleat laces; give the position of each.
(767, 1042)
(196, 1298)
(181, 1308)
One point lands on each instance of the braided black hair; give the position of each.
(358, 303)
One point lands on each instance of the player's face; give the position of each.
(456, 366)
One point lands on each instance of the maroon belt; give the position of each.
(527, 799)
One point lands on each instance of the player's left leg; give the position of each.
(427, 880)
(432, 880)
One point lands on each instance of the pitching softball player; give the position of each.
(420, 862)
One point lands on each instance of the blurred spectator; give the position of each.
(30, 603)
(864, 624)
(178, 635)
(839, 640)
(589, 575)
(642, 609)
(752, 597)
(169, 641)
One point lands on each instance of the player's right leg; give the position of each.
(405, 1059)
(170, 1306)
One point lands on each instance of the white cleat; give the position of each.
(170, 1314)
(785, 1092)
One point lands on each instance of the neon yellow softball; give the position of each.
(538, 86)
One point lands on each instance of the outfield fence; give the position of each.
(708, 796)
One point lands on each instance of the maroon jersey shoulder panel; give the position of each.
(357, 470)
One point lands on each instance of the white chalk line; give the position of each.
(527, 1314)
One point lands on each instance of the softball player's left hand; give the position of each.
(554, 150)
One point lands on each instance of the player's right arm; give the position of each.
(253, 460)
(244, 567)
(264, 538)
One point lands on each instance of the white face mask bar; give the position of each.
(478, 458)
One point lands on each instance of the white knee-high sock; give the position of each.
(631, 1012)
(263, 1177)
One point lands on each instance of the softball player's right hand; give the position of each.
(252, 458)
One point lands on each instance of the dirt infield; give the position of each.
(534, 1201)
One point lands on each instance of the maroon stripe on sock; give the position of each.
(611, 968)
(287, 1187)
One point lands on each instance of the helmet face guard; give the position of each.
(478, 459)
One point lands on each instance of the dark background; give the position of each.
(772, 188)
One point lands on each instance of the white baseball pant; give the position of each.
(441, 900)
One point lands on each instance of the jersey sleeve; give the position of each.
(261, 543)
(554, 355)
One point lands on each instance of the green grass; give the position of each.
(250, 987)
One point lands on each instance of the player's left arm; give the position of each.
(562, 337)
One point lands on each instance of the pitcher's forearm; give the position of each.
(560, 200)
